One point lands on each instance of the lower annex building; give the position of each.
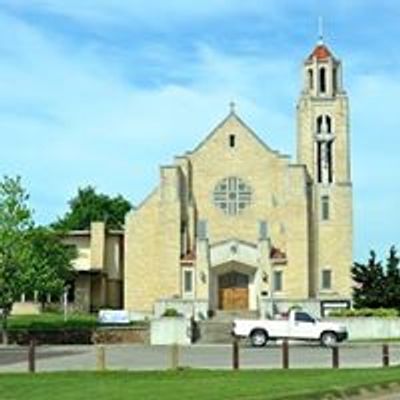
(235, 225)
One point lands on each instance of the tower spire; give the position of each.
(320, 30)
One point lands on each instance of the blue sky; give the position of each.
(102, 92)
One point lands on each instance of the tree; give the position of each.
(15, 222)
(369, 279)
(50, 264)
(392, 287)
(377, 286)
(90, 206)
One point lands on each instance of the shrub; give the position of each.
(295, 307)
(367, 312)
(171, 312)
(51, 321)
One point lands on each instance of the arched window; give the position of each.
(328, 122)
(324, 124)
(320, 121)
(334, 80)
(322, 80)
(310, 79)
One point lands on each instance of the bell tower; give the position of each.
(323, 146)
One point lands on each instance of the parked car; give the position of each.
(298, 325)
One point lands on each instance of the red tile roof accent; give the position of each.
(321, 52)
(277, 254)
(188, 258)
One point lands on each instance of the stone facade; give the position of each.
(234, 223)
(98, 266)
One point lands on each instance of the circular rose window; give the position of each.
(232, 195)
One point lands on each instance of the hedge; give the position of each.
(367, 312)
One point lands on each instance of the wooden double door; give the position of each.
(233, 291)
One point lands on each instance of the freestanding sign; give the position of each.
(114, 317)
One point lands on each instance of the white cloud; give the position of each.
(79, 112)
(80, 121)
(145, 12)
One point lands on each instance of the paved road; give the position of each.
(136, 357)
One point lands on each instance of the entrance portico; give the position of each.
(234, 276)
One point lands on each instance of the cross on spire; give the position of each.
(232, 106)
(320, 30)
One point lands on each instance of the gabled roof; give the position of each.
(233, 115)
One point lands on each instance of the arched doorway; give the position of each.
(233, 290)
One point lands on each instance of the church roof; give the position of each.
(321, 52)
(234, 115)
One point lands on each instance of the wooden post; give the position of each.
(175, 356)
(285, 354)
(385, 355)
(235, 353)
(335, 357)
(31, 356)
(100, 358)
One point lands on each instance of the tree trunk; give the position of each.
(4, 333)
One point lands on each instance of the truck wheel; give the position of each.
(258, 338)
(328, 339)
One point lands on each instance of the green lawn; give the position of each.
(191, 384)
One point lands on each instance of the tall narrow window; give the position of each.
(324, 124)
(325, 211)
(277, 281)
(263, 230)
(202, 229)
(322, 80)
(310, 79)
(319, 162)
(187, 281)
(324, 150)
(334, 80)
(328, 122)
(320, 121)
(329, 161)
(232, 141)
(326, 281)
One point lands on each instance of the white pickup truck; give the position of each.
(298, 325)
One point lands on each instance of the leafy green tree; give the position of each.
(88, 206)
(369, 283)
(15, 223)
(50, 264)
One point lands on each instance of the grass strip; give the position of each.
(194, 384)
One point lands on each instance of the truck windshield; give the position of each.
(303, 317)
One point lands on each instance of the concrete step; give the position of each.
(229, 316)
(218, 329)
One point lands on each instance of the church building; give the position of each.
(236, 225)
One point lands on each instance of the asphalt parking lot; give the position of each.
(138, 357)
